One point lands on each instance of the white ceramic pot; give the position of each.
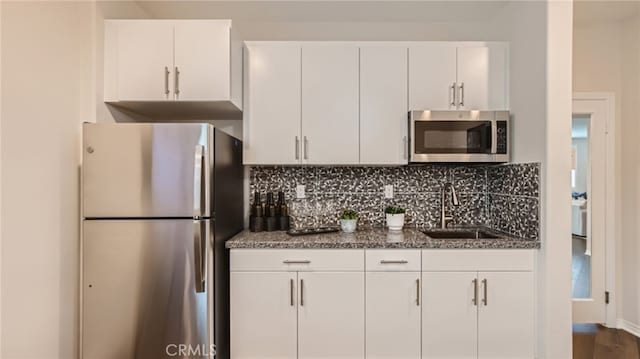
(348, 225)
(395, 222)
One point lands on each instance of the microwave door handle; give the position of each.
(494, 137)
(197, 181)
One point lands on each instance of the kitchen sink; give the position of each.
(459, 234)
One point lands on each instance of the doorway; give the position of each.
(592, 183)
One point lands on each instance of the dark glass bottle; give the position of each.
(270, 213)
(256, 217)
(283, 212)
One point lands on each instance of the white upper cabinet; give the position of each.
(176, 61)
(272, 104)
(330, 104)
(432, 77)
(465, 76)
(143, 56)
(482, 77)
(383, 105)
(202, 60)
(346, 103)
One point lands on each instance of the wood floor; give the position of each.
(592, 341)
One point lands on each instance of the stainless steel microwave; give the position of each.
(459, 136)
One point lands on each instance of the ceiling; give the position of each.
(586, 12)
(327, 10)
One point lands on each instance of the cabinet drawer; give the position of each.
(478, 260)
(392, 260)
(297, 260)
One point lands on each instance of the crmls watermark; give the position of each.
(190, 350)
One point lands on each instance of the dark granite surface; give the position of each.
(376, 238)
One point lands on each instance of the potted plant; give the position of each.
(348, 220)
(395, 218)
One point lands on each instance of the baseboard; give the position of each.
(629, 327)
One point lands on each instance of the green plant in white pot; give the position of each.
(349, 220)
(395, 218)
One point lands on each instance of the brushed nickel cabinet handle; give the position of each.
(462, 94)
(306, 148)
(176, 84)
(302, 261)
(166, 81)
(394, 261)
(485, 300)
(297, 148)
(475, 292)
(453, 94)
(292, 293)
(418, 292)
(302, 292)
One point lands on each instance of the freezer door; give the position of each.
(145, 289)
(146, 170)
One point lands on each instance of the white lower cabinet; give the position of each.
(506, 315)
(486, 315)
(393, 315)
(430, 304)
(449, 316)
(331, 315)
(263, 315)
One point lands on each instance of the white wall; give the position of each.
(606, 59)
(555, 257)
(540, 98)
(46, 62)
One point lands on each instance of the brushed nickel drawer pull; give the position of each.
(485, 300)
(453, 95)
(475, 292)
(291, 292)
(394, 261)
(303, 261)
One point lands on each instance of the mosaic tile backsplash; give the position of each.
(503, 197)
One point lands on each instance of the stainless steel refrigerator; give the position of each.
(158, 203)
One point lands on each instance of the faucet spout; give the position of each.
(444, 219)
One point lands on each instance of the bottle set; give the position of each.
(269, 216)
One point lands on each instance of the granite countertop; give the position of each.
(375, 238)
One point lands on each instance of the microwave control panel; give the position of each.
(501, 140)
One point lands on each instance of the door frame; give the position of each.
(611, 210)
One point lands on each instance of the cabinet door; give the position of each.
(482, 78)
(202, 60)
(506, 315)
(383, 105)
(432, 76)
(263, 315)
(449, 315)
(393, 315)
(330, 104)
(331, 315)
(144, 53)
(272, 105)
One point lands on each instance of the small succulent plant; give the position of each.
(394, 210)
(349, 214)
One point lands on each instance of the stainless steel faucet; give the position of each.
(444, 219)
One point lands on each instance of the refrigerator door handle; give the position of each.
(197, 181)
(198, 256)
